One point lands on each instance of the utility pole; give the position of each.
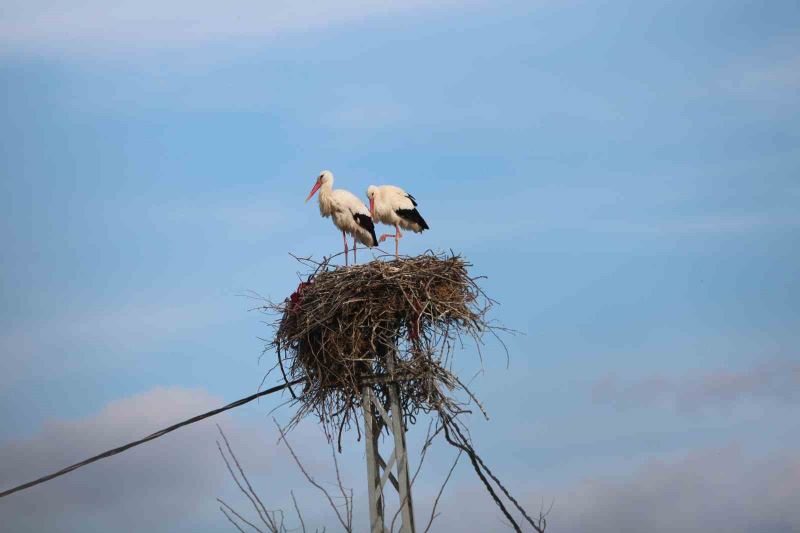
(378, 470)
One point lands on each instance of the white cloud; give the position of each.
(163, 479)
(712, 490)
(169, 484)
(31, 346)
(96, 26)
(722, 489)
(775, 381)
(703, 225)
(248, 218)
(765, 74)
(783, 74)
(366, 108)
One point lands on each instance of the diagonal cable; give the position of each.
(154, 436)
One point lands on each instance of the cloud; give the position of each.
(766, 74)
(162, 480)
(776, 381)
(722, 489)
(169, 484)
(783, 74)
(31, 345)
(98, 26)
(245, 218)
(703, 225)
(365, 108)
(711, 490)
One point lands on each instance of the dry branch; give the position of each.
(346, 521)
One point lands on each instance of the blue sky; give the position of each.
(625, 174)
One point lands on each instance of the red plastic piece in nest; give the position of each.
(297, 296)
(413, 330)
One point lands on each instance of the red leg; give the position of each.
(355, 258)
(346, 251)
(397, 237)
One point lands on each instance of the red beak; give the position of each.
(372, 206)
(317, 185)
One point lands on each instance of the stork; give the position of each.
(395, 207)
(349, 214)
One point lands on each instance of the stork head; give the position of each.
(325, 177)
(371, 191)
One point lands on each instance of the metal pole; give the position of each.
(376, 416)
(371, 430)
(400, 450)
(407, 510)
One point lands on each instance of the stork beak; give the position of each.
(372, 206)
(317, 185)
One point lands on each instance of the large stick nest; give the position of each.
(373, 323)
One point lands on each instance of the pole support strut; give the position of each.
(375, 419)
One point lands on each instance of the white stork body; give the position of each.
(348, 213)
(394, 206)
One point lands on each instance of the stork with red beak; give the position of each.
(349, 214)
(395, 207)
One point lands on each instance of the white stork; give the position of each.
(395, 207)
(349, 214)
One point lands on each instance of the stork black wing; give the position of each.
(365, 221)
(413, 200)
(412, 215)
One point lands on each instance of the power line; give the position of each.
(154, 436)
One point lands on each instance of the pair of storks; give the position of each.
(387, 204)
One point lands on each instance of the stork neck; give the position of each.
(326, 188)
(325, 200)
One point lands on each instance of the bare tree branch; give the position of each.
(258, 505)
(240, 517)
(428, 441)
(348, 502)
(441, 490)
(311, 479)
(299, 515)
(231, 519)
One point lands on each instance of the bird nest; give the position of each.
(375, 323)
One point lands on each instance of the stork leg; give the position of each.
(355, 258)
(397, 237)
(346, 251)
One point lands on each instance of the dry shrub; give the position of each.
(386, 320)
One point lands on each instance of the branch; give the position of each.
(441, 490)
(299, 515)
(240, 517)
(311, 479)
(251, 494)
(231, 520)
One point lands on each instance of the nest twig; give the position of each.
(373, 323)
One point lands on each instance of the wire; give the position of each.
(154, 436)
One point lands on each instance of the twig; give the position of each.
(299, 514)
(231, 519)
(311, 479)
(250, 493)
(240, 517)
(441, 490)
(348, 503)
